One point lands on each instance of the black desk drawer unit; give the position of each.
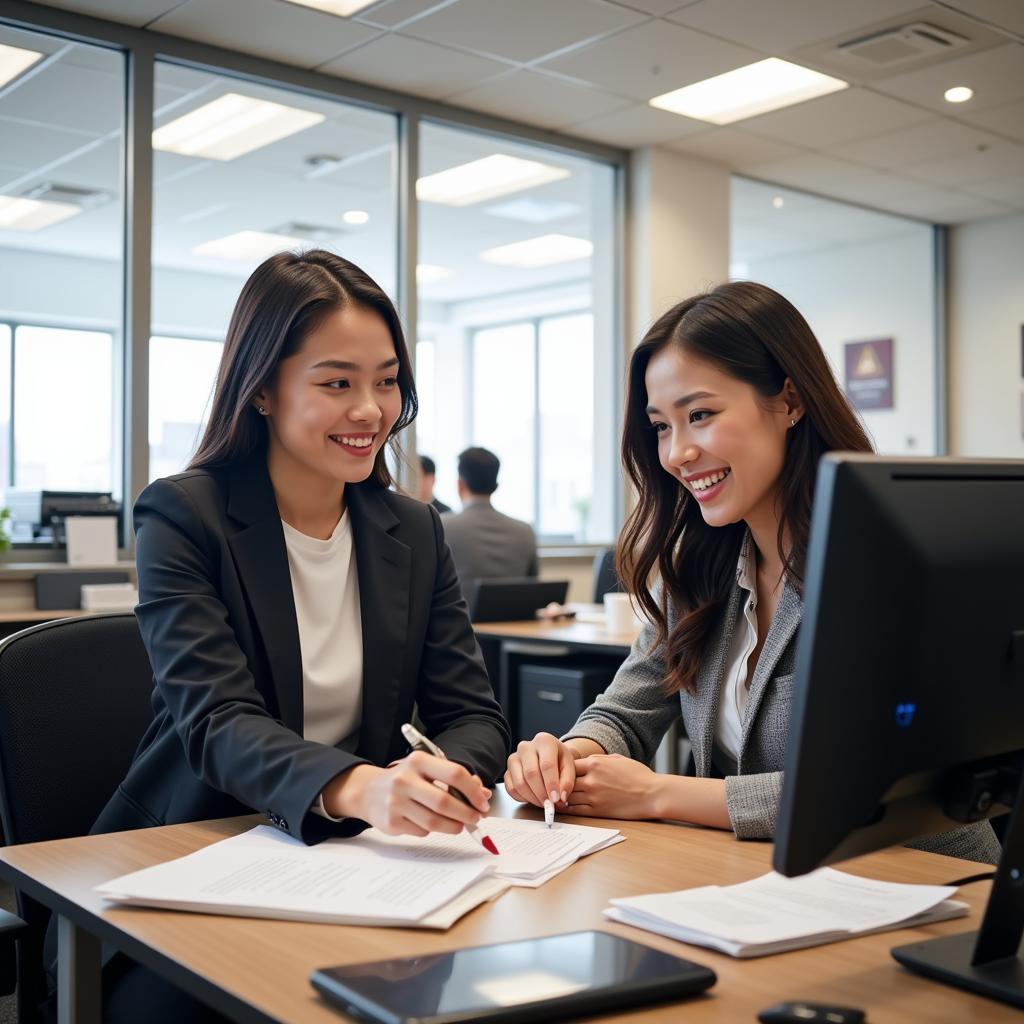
(551, 697)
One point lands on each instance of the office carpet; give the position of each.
(8, 1010)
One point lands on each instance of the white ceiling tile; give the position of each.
(837, 118)
(734, 149)
(538, 99)
(395, 62)
(639, 125)
(1002, 160)
(1003, 190)
(69, 97)
(937, 139)
(28, 146)
(809, 170)
(128, 12)
(267, 28)
(996, 76)
(1007, 14)
(651, 59)
(524, 30)
(657, 6)
(395, 12)
(1007, 119)
(777, 26)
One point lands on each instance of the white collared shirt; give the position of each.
(732, 704)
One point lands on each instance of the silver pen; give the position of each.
(418, 741)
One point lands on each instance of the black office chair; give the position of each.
(74, 703)
(605, 579)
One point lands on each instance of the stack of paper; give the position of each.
(774, 914)
(373, 879)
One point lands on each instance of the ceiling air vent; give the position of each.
(85, 198)
(902, 45)
(307, 232)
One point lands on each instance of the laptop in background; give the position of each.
(513, 598)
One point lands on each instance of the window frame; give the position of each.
(143, 49)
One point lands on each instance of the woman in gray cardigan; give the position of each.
(730, 405)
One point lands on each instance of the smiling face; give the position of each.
(720, 439)
(332, 404)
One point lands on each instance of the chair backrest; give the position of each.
(74, 703)
(605, 580)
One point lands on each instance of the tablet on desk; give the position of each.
(545, 979)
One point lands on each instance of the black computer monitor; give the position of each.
(908, 696)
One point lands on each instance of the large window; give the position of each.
(243, 170)
(517, 320)
(61, 229)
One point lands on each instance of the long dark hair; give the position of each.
(755, 335)
(286, 297)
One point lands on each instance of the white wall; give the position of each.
(986, 314)
(881, 288)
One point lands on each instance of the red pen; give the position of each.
(418, 741)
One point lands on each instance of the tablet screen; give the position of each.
(578, 972)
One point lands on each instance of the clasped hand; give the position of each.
(595, 785)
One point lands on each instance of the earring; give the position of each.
(261, 410)
(792, 423)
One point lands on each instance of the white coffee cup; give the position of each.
(618, 613)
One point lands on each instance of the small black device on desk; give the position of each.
(546, 979)
(799, 1012)
(513, 598)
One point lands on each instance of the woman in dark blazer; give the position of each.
(315, 380)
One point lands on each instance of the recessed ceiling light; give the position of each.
(491, 176)
(958, 94)
(20, 214)
(355, 217)
(778, 202)
(231, 126)
(342, 8)
(244, 246)
(540, 252)
(14, 60)
(532, 210)
(427, 273)
(748, 91)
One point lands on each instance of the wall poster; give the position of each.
(869, 383)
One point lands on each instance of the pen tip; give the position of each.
(488, 844)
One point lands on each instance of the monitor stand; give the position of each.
(987, 961)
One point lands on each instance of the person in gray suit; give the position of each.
(730, 405)
(485, 543)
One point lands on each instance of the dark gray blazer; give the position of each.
(218, 620)
(634, 713)
(487, 544)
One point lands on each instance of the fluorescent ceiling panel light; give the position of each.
(746, 92)
(244, 246)
(487, 178)
(342, 8)
(355, 217)
(231, 126)
(533, 211)
(540, 252)
(14, 60)
(958, 94)
(20, 214)
(427, 273)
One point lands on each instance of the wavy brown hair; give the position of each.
(286, 298)
(753, 334)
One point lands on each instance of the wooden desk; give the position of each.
(258, 970)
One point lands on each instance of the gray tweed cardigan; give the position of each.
(634, 713)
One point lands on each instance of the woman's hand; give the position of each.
(543, 768)
(407, 798)
(613, 786)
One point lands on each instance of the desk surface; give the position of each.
(561, 631)
(37, 615)
(267, 963)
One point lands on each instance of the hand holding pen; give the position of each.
(418, 741)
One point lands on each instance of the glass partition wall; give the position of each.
(113, 307)
(61, 268)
